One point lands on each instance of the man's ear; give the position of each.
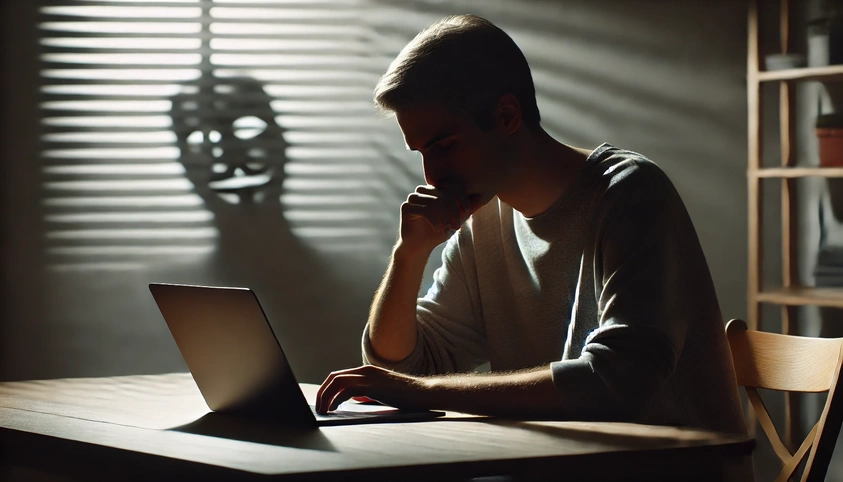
(508, 113)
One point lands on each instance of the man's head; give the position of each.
(465, 63)
(461, 90)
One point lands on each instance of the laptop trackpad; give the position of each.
(357, 413)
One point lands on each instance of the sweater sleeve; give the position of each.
(640, 275)
(451, 337)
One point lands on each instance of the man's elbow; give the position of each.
(595, 388)
(631, 388)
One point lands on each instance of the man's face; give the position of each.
(456, 153)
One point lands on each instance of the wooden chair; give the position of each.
(793, 364)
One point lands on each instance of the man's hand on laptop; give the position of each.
(385, 386)
(526, 393)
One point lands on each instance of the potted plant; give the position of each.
(830, 139)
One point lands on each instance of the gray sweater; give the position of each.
(609, 287)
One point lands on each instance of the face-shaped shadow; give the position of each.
(234, 153)
(231, 147)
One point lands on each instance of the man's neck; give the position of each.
(546, 170)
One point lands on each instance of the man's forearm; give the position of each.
(525, 393)
(392, 318)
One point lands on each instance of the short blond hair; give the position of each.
(464, 62)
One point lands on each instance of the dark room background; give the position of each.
(120, 120)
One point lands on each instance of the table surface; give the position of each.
(160, 424)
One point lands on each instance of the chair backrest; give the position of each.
(793, 364)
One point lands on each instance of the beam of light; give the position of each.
(288, 45)
(289, 60)
(100, 90)
(116, 43)
(119, 28)
(139, 251)
(168, 75)
(334, 232)
(109, 105)
(151, 137)
(318, 200)
(123, 59)
(303, 168)
(304, 216)
(356, 246)
(246, 29)
(294, 184)
(282, 14)
(152, 153)
(129, 185)
(164, 168)
(84, 267)
(109, 121)
(330, 3)
(240, 182)
(91, 11)
(316, 91)
(182, 200)
(133, 233)
(133, 217)
(331, 153)
(156, 1)
(300, 75)
(327, 122)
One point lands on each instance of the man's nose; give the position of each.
(432, 174)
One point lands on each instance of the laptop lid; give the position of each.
(232, 351)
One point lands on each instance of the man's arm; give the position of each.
(392, 318)
(428, 218)
(529, 393)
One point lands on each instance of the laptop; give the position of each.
(239, 365)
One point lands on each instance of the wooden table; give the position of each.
(158, 426)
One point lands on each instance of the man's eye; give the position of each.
(444, 146)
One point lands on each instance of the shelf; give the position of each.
(829, 72)
(788, 172)
(803, 295)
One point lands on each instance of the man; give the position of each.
(576, 274)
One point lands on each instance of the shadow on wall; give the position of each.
(234, 154)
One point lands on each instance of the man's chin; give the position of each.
(478, 200)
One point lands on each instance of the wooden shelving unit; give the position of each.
(827, 73)
(794, 172)
(790, 294)
(802, 296)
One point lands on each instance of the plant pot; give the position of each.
(831, 146)
(830, 140)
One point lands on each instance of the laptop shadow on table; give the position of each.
(267, 432)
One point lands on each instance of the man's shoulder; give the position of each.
(625, 174)
(625, 166)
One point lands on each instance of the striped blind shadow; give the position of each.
(213, 142)
(122, 187)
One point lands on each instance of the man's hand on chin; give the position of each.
(385, 386)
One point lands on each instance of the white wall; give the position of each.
(661, 77)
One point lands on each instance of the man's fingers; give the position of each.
(428, 213)
(339, 387)
(343, 395)
(429, 190)
(453, 199)
(324, 389)
(321, 392)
